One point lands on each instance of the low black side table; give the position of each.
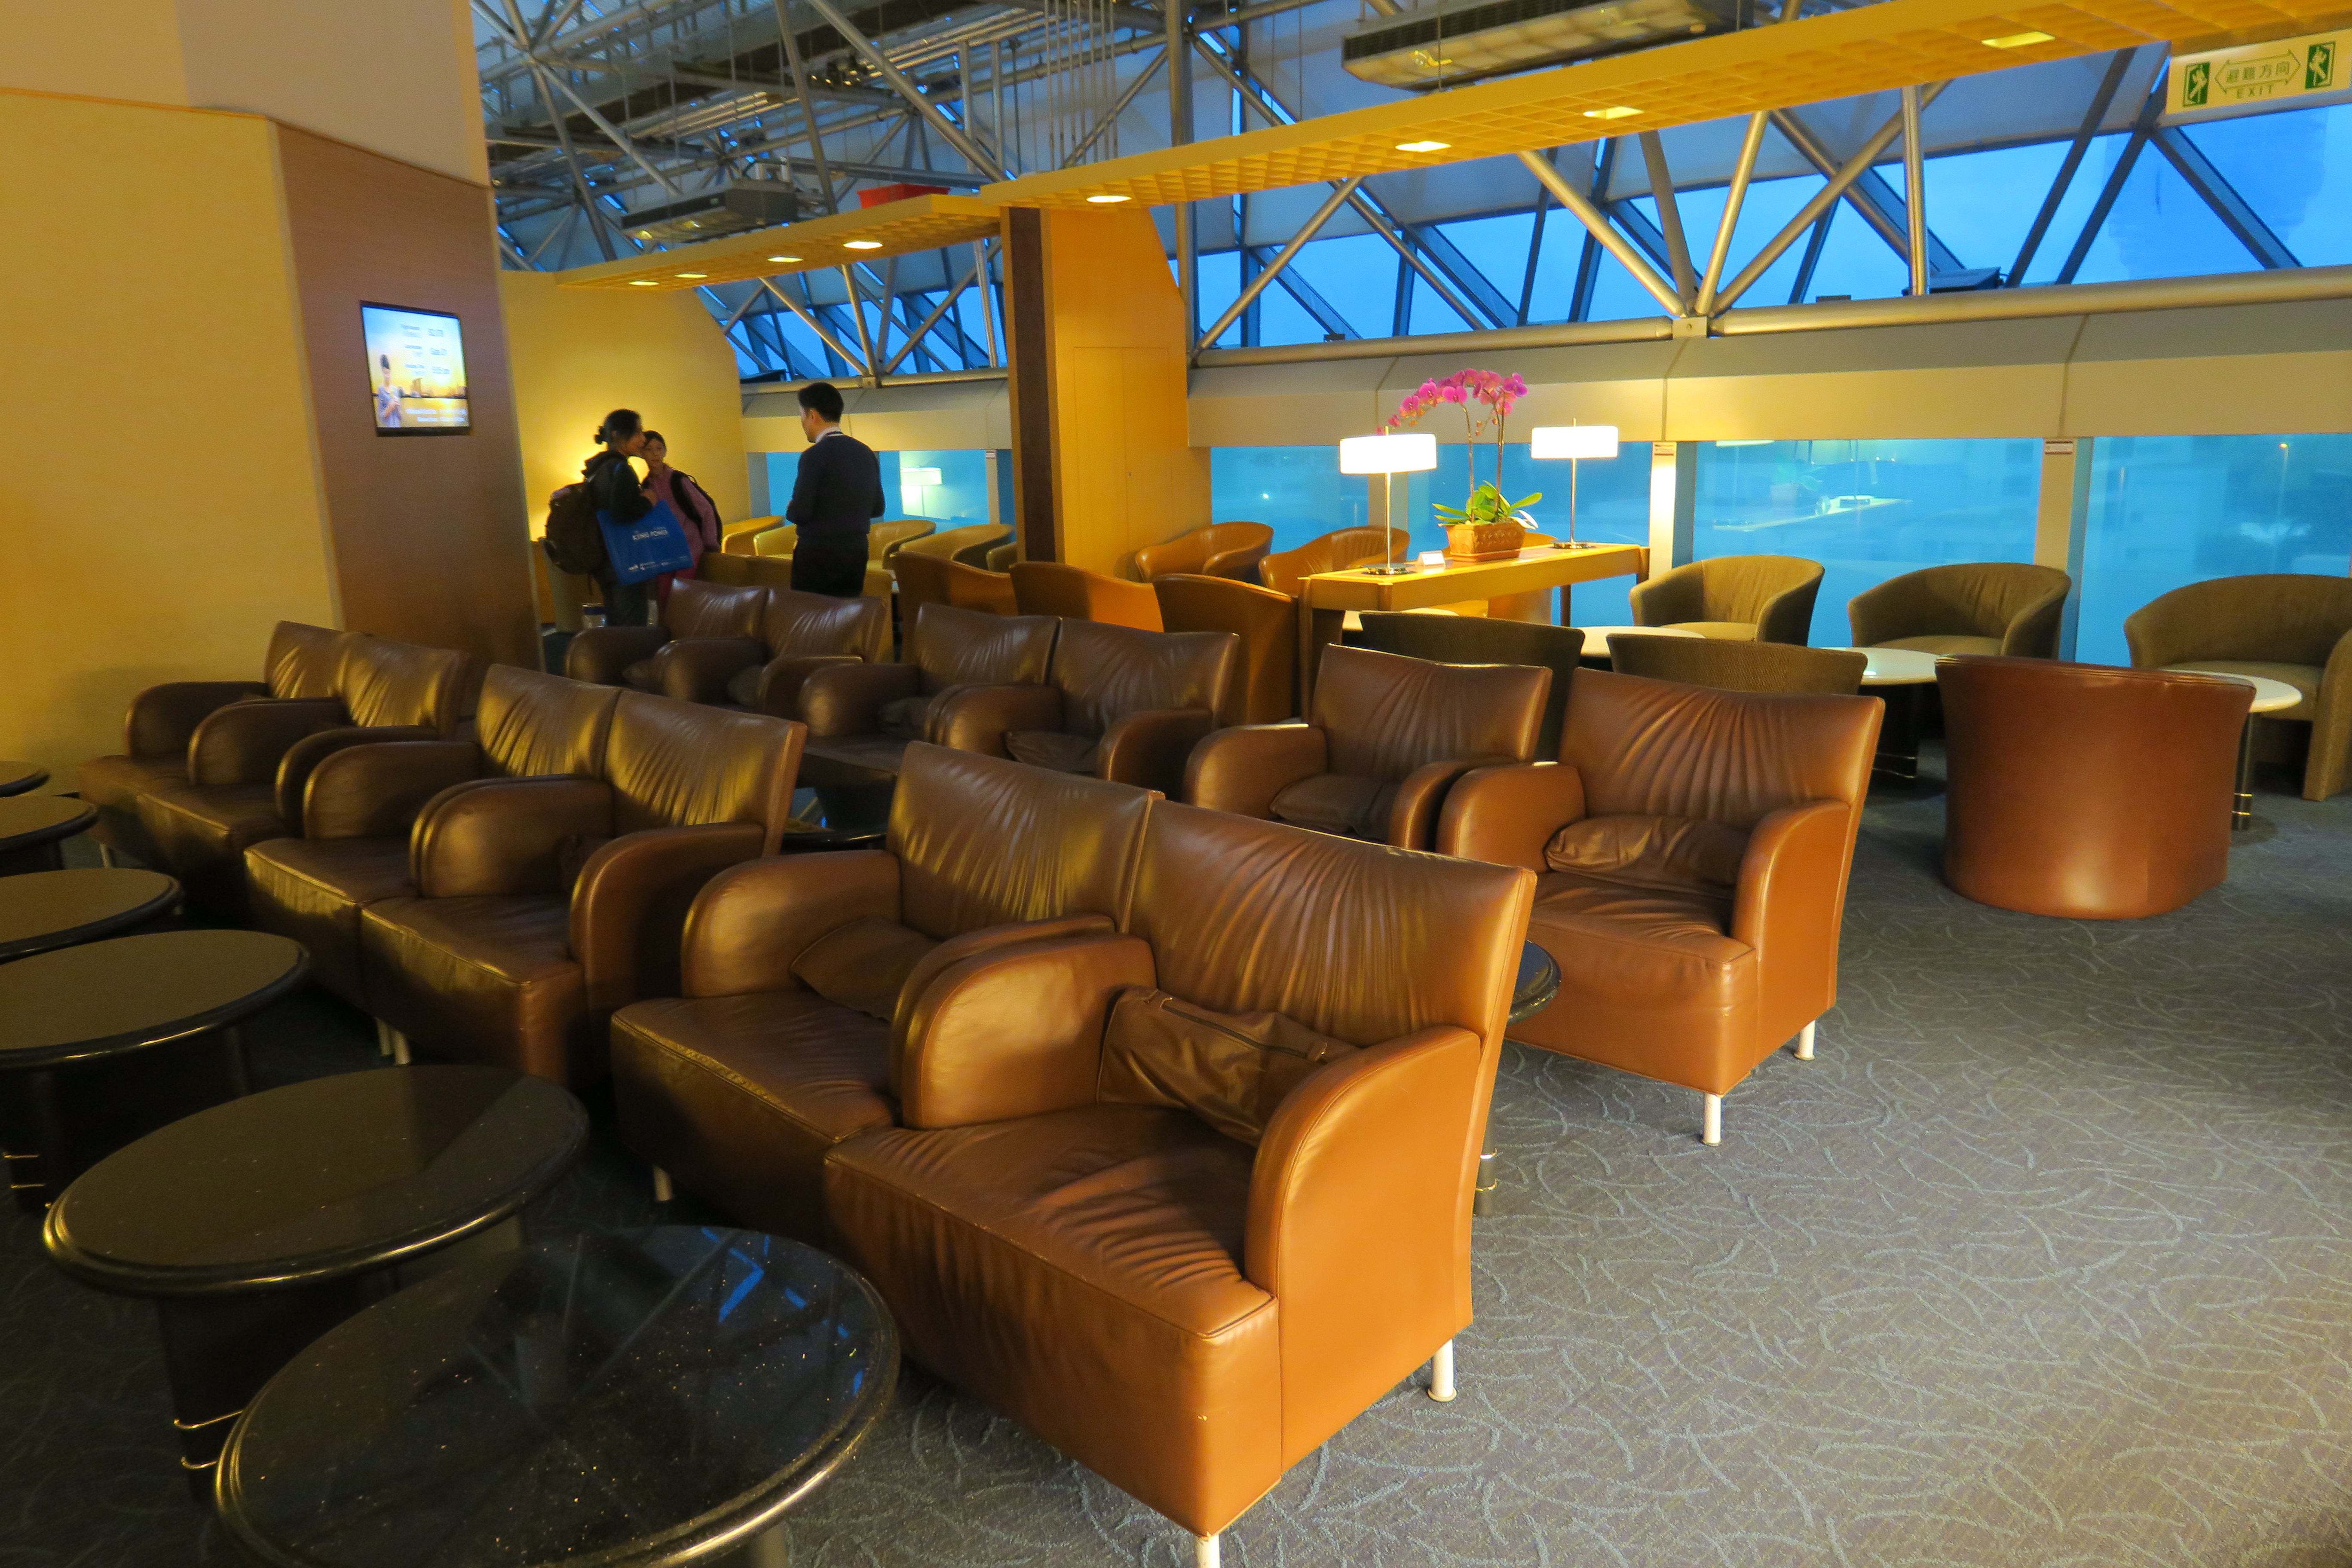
(78, 1073)
(44, 909)
(19, 778)
(33, 828)
(259, 1225)
(1532, 993)
(640, 1399)
(839, 816)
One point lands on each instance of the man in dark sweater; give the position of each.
(835, 498)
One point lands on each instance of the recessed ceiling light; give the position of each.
(861, 244)
(1104, 201)
(2016, 41)
(1619, 112)
(783, 258)
(1423, 146)
(694, 275)
(643, 283)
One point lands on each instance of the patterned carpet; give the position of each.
(2046, 1260)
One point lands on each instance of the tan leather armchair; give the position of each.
(1188, 1281)
(968, 545)
(709, 632)
(250, 762)
(1723, 665)
(1335, 552)
(1484, 639)
(797, 972)
(1692, 850)
(1978, 606)
(1389, 736)
(1050, 588)
(735, 538)
(542, 905)
(886, 536)
(801, 634)
(1221, 550)
(1264, 690)
(1740, 598)
(1117, 703)
(779, 540)
(361, 802)
(861, 718)
(2288, 625)
(936, 580)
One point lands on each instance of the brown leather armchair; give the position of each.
(800, 634)
(1723, 665)
(861, 717)
(886, 536)
(709, 632)
(542, 905)
(250, 762)
(1188, 1272)
(1221, 550)
(1050, 588)
(1692, 848)
(1484, 639)
(935, 579)
(1976, 606)
(361, 803)
(1121, 704)
(969, 545)
(1333, 552)
(1388, 738)
(2085, 791)
(2288, 625)
(798, 972)
(1740, 598)
(1264, 690)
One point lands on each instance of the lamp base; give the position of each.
(1392, 569)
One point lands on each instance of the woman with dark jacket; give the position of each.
(616, 488)
(689, 499)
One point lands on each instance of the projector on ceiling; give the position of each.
(1467, 41)
(731, 209)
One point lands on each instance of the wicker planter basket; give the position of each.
(1483, 540)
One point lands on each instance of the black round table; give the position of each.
(838, 816)
(1532, 991)
(19, 778)
(259, 1225)
(633, 1399)
(44, 909)
(34, 828)
(79, 1072)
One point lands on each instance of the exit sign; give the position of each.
(2285, 73)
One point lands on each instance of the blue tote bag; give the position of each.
(648, 547)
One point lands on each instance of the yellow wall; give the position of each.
(173, 511)
(576, 353)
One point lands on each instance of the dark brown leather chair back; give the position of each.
(303, 660)
(1221, 550)
(1738, 666)
(1334, 552)
(1051, 588)
(1486, 639)
(1265, 690)
(532, 725)
(2085, 790)
(937, 580)
(1107, 672)
(982, 842)
(681, 764)
(1656, 748)
(1385, 715)
(2015, 603)
(699, 609)
(385, 682)
(798, 623)
(970, 648)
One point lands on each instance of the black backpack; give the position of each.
(574, 541)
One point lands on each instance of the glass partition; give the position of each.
(1298, 491)
(950, 488)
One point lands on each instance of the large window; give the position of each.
(1298, 491)
(949, 487)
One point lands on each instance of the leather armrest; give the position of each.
(696, 669)
(303, 757)
(751, 922)
(503, 836)
(1241, 770)
(972, 944)
(1148, 749)
(974, 718)
(162, 718)
(629, 908)
(781, 682)
(599, 654)
(848, 699)
(1791, 896)
(1017, 1032)
(244, 741)
(376, 790)
(1413, 815)
(1506, 816)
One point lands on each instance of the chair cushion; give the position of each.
(200, 832)
(1675, 853)
(1944, 644)
(107, 781)
(2303, 677)
(864, 964)
(313, 891)
(743, 686)
(488, 979)
(1055, 749)
(641, 676)
(1338, 803)
(1725, 631)
(907, 719)
(1230, 1069)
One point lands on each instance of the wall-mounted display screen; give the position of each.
(416, 371)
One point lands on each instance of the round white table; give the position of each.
(1898, 738)
(2270, 697)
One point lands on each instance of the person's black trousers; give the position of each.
(831, 563)
(626, 603)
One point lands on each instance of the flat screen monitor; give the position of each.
(416, 371)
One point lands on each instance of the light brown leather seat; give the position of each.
(361, 803)
(969, 545)
(1741, 598)
(709, 633)
(1333, 552)
(1050, 588)
(781, 1045)
(1976, 606)
(1693, 848)
(935, 579)
(860, 718)
(1221, 550)
(2288, 625)
(1264, 690)
(799, 635)
(735, 538)
(543, 904)
(886, 536)
(1484, 639)
(1724, 666)
(1388, 738)
(1119, 703)
(250, 762)
(2085, 790)
(1188, 1273)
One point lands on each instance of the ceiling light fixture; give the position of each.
(643, 283)
(1423, 146)
(1106, 200)
(783, 258)
(2016, 41)
(861, 244)
(1619, 112)
(694, 275)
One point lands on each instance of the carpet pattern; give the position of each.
(2047, 1260)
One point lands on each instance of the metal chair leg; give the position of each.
(1711, 1124)
(662, 1191)
(1805, 1044)
(1206, 1552)
(1441, 1375)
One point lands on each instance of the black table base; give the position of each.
(58, 1121)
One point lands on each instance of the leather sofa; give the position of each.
(935, 579)
(860, 718)
(1723, 665)
(1484, 639)
(2289, 626)
(708, 632)
(1050, 588)
(1692, 848)
(1740, 598)
(1976, 606)
(1265, 689)
(1387, 737)
(361, 804)
(1221, 550)
(1287, 571)
(2085, 791)
(541, 905)
(1117, 703)
(796, 970)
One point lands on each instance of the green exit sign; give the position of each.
(2285, 73)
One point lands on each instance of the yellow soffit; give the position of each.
(1873, 48)
(890, 228)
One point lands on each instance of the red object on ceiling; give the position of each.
(876, 196)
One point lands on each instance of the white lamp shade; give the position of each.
(1399, 454)
(1572, 441)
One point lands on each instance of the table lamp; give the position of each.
(1404, 453)
(1573, 442)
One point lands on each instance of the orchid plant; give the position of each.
(1484, 397)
